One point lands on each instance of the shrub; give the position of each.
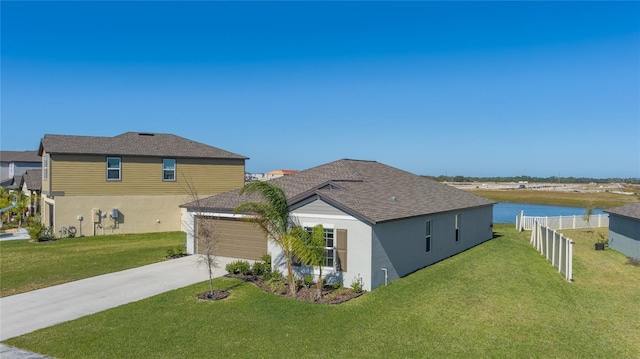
(337, 285)
(272, 275)
(39, 232)
(238, 267)
(308, 280)
(181, 250)
(259, 268)
(275, 285)
(357, 284)
(266, 258)
(171, 252)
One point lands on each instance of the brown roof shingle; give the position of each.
(33, 179)
(133, 144)
(371, 190)
(631, 210)
(20, 156)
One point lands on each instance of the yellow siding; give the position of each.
(82, 175)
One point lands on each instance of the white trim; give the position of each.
(324, 216)
(222, 215)
(311, 225)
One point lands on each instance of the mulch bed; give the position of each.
(217, 295)
(304, 293)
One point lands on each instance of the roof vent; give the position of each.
(394, 198)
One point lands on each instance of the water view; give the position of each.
(505, 212)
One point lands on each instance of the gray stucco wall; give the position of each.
(399, 246)
(624, 235)
(18, 170)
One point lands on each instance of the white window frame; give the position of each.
(309, 226)
(427, 237)
(45, 167)
(119, 169)
(174, 170)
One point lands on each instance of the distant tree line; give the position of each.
(552, 179)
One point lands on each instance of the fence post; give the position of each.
(599, 220)
(570, 261)
(559, 257)
(574, 221)
(553, 250)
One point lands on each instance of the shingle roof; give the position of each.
(16, 183)
(631, 210)
(20, 156)
(133, 144)
(33, 179)
(370, 190)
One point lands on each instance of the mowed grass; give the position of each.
(569, 199)
(25, 266)
(500, 299)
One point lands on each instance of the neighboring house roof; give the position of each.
(20, 156)
(631, 210)
(16, 183)
(282, 172)
(132, 144)
(33, 180)
(369, 190)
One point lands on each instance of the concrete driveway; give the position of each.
(26, 312)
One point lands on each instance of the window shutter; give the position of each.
(341, 246)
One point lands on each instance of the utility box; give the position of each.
(95, 214)
(114, 213)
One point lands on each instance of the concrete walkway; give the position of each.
(26, 312)
(20, 233)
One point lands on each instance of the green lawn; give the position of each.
(500, 299)
(27, 266)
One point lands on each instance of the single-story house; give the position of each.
(381, 223)
(624, 229)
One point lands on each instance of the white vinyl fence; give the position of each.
(557, 248)
(526, 223)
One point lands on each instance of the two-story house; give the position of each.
(130, 183)
(14, 164)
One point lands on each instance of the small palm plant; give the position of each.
(311, 250)
(273, 216)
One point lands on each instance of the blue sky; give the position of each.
(457, 88)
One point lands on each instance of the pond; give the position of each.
(505, 212)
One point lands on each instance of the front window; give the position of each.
(45, 167)
(168, 169)
(457, 228)
(114, 169)
(329, 246)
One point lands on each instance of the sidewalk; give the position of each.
(26, 312)
(20, 233)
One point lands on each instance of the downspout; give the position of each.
(386, 276)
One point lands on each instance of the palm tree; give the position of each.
(273, 216)
(311, 251)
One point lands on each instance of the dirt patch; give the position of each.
(330, 295)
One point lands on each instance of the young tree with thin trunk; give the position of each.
(273, 216)
(204, 232)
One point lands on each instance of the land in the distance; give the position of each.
(596, 195)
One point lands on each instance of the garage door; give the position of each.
(233, 238)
